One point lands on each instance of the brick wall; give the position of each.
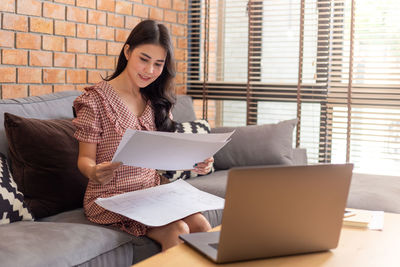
(58, 45)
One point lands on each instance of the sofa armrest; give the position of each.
(299, 156)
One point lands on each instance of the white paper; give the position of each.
(376, 222)
(160, 205)
(167, 151)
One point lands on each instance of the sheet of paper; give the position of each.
(162, 204)
(167, 151)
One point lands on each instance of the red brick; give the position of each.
(182, 18)
(105, 33)
(86, 31)
(14, 90)
(7, 5)
(6, 38)
(81, 87)
(114, 48)
(170, 16)
(85, 61)
(40, 89)
(140, 11)
(121, 35)
(41, 25)
(64, 28)
(65, 60)
(179, 5)
(179, 78)
(53, 76)
(182, 43)
(178, 30)
(15, 22)
(181, 67)
(165, 4)
(131, 22)
(180, 54)
(76, 76)
(97, 17)
(14, 57)
(8, 75)
(29, 7)
(29, 75)
(76, 45)
(40, 58)
(76, 14)
(124, 8)
(68, 2)
(54, 43)
(28, 40)
(150, 2)
(106, 62)
(95, 76)
(54, 11)
(156, 13)
(86, 3)
(115, 20)
(180, 89)
(107, 5)
(63, 87)
(96, 47)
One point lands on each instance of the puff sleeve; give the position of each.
(87, 121)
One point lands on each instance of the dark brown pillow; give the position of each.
(43, 155)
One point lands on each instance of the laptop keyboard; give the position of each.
(214, 245)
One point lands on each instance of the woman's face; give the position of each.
(145, 63)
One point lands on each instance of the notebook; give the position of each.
(277, 211)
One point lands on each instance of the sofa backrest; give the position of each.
(59, 106)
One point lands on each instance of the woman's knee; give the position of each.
(180, 227)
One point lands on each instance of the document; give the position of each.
(167, 151)
(160, 205)
(372, 220)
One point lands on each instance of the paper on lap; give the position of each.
(162, 204)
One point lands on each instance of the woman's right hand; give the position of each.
(103, 173)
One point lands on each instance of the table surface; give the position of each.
(357, 247)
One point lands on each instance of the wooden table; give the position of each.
(357, 247)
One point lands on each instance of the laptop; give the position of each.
(278, 211)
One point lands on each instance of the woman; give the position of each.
(138, 95)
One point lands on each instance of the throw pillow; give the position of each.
(43, 155)
(12, 206)
(268, 144)
(197, 126)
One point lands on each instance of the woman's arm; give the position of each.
(101, 173)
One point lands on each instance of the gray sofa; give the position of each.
(69, 239)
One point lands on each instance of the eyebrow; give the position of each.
(158, 60)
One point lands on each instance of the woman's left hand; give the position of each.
(204, 167)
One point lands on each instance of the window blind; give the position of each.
(333, 64)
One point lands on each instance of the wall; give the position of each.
(50, 46)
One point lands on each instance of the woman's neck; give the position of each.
(123, 85)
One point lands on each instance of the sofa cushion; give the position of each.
(183, 110)
(60, 244)
(197, 126)
(268, 144)
(43, 155)
(214, 183)
(12, 206)
(51, 106)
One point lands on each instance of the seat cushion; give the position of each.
(214, 183)
(56, 244)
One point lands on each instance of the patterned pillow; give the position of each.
(197, 126)
(12, 206)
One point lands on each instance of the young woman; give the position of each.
(138, 95)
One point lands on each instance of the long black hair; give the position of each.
(161, 91)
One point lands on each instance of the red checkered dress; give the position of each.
(102, 118)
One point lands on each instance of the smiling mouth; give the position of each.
(145, 78)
